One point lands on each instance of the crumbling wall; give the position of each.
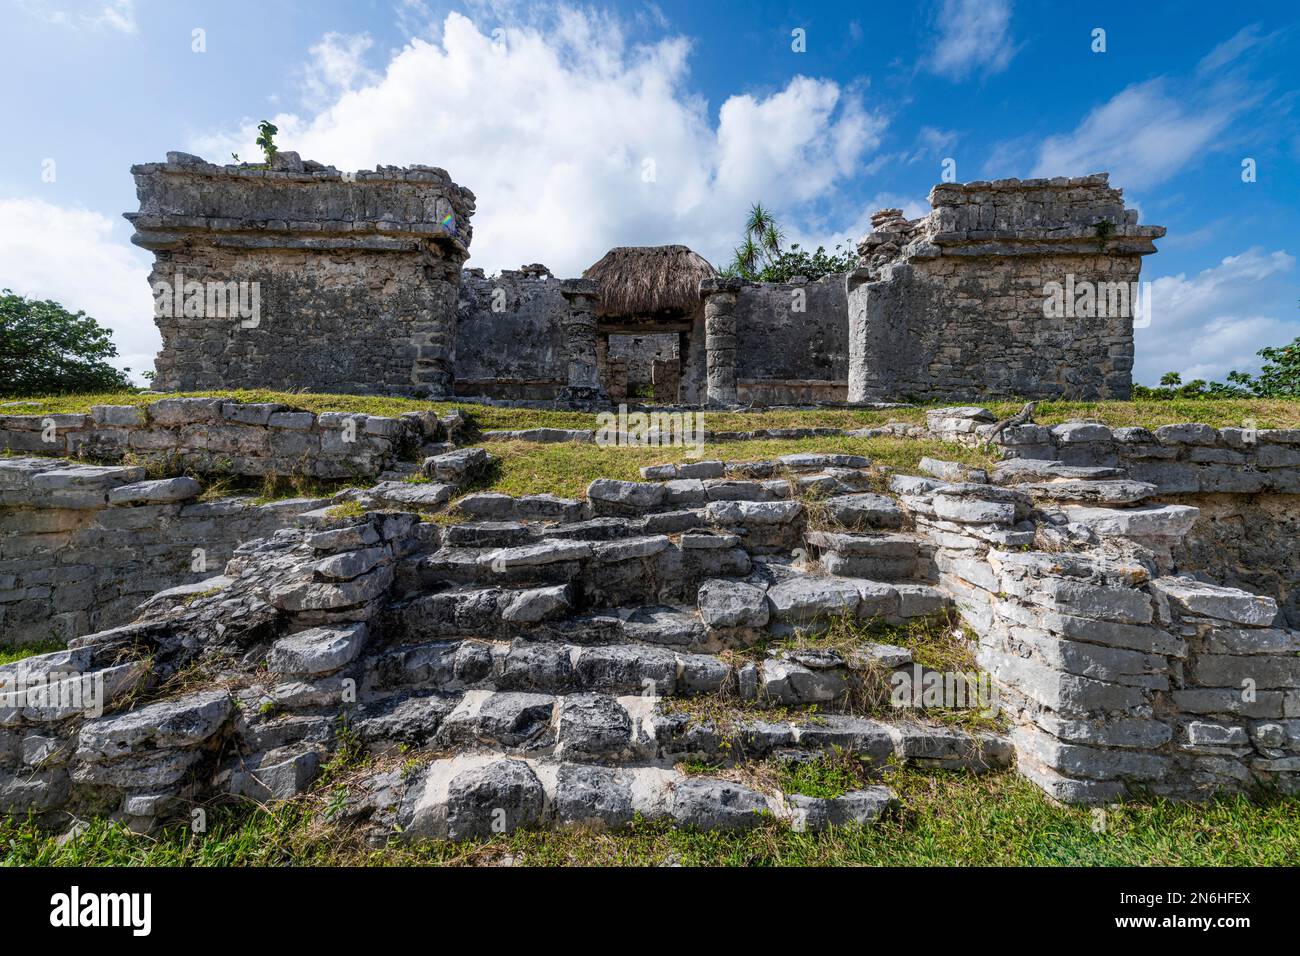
(1119, 679)
(792, 341)
(642, 352)
(344, 283)
(1242, 480)
(509, 334)
(81, 546)
(952, 305)
(216, 436)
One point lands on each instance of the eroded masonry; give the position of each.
(1127, 600)
(360, 288)
(540, 660)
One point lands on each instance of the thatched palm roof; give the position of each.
(644, 280)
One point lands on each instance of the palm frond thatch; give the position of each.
(645, 280)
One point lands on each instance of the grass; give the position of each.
(567, 468)
(938, 642)
(826, 775)
(948, 819)
(1220, 412)
(16, 652)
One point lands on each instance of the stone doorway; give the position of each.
(642, 367)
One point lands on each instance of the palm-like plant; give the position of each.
(761, 244)
(747, 254)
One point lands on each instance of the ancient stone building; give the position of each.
(958, 303)
(301, 277)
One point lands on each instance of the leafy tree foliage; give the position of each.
(45, 350)
(1279, 377)
(760, 258)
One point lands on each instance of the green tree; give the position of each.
(45, 350)
(760, 258)
(1280, 375)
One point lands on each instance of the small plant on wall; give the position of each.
(266, 139)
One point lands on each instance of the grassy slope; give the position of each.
(947, 819)
(1257, 413)
(567, 468)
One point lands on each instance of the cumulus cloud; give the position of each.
(69, 255)
(1215, 321)
(575, 139)
(974, 36)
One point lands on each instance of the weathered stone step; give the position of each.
(641, 728)
(451, 667)
(1014, 471)
(1119, 491)
(1145, 521)
(864, 511)
(811, 602)
(896, 556)
(647, 567)
(747, 736)
(472, 796)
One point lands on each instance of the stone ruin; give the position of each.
(344, 282)
(360, 288)
(1131, 598)
(531, 661)
(953, 304)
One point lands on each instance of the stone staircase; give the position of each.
(535, 660)
(552, 650)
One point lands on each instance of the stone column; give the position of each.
(862, 368)
(580, 337)
(720, 339)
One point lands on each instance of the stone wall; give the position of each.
(81, 546)
(793, 341)
(521, 654)
(221, 437)
(1242, 480)
(641, 352)
(952, 305)
(509, 335)
(1120, 678)
(346, 283)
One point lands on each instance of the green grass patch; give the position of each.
(948, 819)
(567, 468)
(827, 775)
(1150, 413)
(16, 652)
(349, 509)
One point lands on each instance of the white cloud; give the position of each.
(337, 66)
(1207, 325)
(69, 255)
(1231, 48)
(116, 15)
(575, 140)
(973, 36)
(1142, 136)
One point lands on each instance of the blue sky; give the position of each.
(554, 113)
